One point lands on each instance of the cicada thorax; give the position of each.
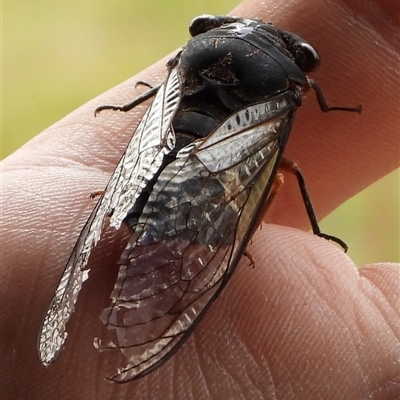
(225, 70)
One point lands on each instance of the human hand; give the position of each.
(304, 323)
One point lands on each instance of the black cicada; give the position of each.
(191, 186)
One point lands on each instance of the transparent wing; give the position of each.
(153, 138)
(192, 233)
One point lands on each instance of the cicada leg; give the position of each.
(291, 167)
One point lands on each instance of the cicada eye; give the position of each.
(204, 23)
(309, 60)
(201, 24)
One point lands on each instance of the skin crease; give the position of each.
(305, 323)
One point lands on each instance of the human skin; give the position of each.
(304, 323)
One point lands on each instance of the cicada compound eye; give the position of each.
(310, 59)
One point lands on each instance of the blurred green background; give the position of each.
(58, 55)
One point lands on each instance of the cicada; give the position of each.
(191, 186)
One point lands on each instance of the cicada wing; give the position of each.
(152, 139)
(191, 235)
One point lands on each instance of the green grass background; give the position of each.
(58, 55)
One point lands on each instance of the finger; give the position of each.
(313, 326)
(81, 152)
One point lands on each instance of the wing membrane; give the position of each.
(190, 237)
(153, 138)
